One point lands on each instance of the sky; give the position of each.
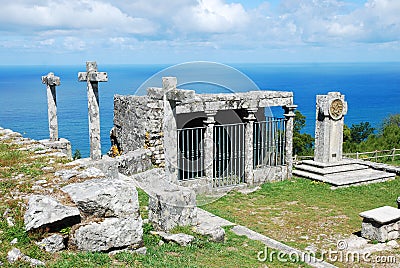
(175, 31)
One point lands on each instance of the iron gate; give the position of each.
(190, 153)
(269, 142)
(229, 154)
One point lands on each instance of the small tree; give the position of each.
(77, 155)
(303, 144)
(360, 132)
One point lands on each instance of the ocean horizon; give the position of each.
(372, 91)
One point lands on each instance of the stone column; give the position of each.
(289, 118)
(330, 113)
(170, 131)
(209, 144)
(51, 82)
(249, 145)
(93, 77)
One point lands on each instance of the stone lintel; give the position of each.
(382, 215)
(51, 80)
(93, 76)
(155, 93)
(180, 94)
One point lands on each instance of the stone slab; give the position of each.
(382, 215)
(331, 169)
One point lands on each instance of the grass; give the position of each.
(301, 212)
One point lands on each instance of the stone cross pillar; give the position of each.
(93, 77)
(209, 144)
(249, 145)
(289, 117)
(170, 131)
(51, 82)
(330, 113)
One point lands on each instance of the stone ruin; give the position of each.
(172, 143)
(208, 141)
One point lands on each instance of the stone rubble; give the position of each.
(52, 243)
(180, 239)
(44, 211)
(15, 255)
(104, 198)
(216, 233)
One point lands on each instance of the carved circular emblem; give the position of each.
(336, 109)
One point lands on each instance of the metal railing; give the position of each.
(229, 154)
(269, 143)
(190, 153)
(388, 155)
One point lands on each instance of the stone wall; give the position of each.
(138, 124)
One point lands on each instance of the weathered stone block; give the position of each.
(110, 234)
(134, 162)
(105, 198)
(46, 212)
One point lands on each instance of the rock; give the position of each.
(170, 205)
(354, 242)
(110, 234)
(6, 212)
(91, 172)
(311, 248)
(14, 241)
(66, 174)
(141, 251)
(10, 222)
(1, 264)
(216, 233)
(181, 239)
(15, 255)
(52, 243)
(105, 197)
(47, 212)
(393, 244)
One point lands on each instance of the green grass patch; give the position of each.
(301, 212)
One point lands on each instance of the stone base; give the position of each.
(62, 145)
(170, 205)
(342, 173)
(381, 224)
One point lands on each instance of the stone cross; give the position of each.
(51, 82)
(93, 77)
(331, 110)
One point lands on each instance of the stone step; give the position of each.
(348, 178)
(325, 165)
(308, 175)
(330, 170)
(358, 177)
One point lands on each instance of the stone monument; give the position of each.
(331, 110)
(54, 142)
(51, 81)
(329, 165)
(93, 77)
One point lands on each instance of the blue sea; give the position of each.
(372, 91)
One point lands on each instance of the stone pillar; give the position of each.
(170, 131)
(289, 118)
(330, 113)
(51, 82)
(209, 144)
(93, 77)
(249, 145)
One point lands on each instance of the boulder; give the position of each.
(46, 212)
(16, 255)
(216, 233)
(105, 198)
(112, 233)
(52, 243)
(181, 239)
(170, 205)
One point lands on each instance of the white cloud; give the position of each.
(212, 16)
(80, 15)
